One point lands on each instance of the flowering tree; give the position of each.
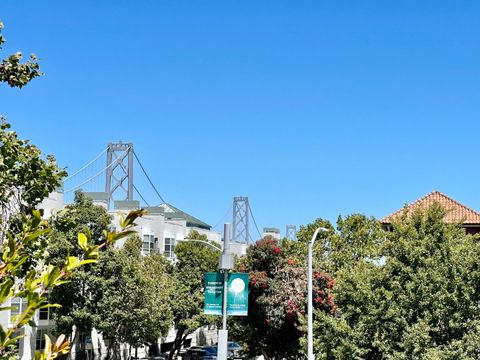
(277, 301)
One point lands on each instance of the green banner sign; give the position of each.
(213, 293)
(237, 302)
(237, 296)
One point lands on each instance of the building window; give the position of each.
(40, 343)
(19, 305)
(169, 247)
(148, 244)
(44, 314)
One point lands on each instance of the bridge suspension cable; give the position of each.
(255, 222)
(141, 196)
(92, 177)
(227, 213)
(86, 165)
(148, 177)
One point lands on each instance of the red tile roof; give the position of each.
(456, 212)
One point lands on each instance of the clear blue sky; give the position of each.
(310, 108)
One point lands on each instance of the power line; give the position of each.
(85, 166)
(253, 218)
(148, 177)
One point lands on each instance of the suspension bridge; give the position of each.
(112, 175)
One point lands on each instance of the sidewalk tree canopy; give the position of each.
(76, 305)
(131, 296)
(420, 301)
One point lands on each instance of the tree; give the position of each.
(192, 261)
(80, 216)
(24, 274)
(132, 296)
(125, 296)
(277, 300)
(13, 71)
(158, 289)
(26, 180)
(420, 302)
(356, 238)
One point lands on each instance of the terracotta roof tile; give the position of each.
(456, 212)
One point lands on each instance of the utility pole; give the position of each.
(225, 264)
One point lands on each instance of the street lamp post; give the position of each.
(310, 295)
(225, 263)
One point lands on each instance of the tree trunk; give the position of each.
(265, 355)
(108, 352)
(180, 347)
(177, 344)
(72, 336)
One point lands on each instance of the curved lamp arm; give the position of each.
(310, 355)
(203, 242)
(314, 237)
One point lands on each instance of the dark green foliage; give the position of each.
(27, 177)
(131, 295)
(124, 296)
(81, 216)
(420, 301)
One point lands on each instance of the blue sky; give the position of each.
(310, 108)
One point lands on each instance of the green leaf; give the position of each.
(83, 241)
(6, 290)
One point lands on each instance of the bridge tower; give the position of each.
(119, 174)
(241, 210)
(291, 232)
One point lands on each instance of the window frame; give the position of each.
(169, 242)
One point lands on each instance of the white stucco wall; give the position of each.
(54, 202)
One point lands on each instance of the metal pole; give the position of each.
(225, 264)
(225, 297)
(310, 300)
(310, 295)
(226, 246)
